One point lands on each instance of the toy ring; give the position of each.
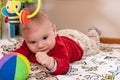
(31, 15)
(23, 16)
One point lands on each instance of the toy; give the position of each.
(14, 66)
(24, 15)
(24, 1)
(14, 13)
(10, 16)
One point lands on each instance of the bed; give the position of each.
(102, 66)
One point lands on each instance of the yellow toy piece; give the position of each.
(29, 16)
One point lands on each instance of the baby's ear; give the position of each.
(54, 29)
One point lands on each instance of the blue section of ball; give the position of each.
(7, 71)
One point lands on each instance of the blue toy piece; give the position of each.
(10, 16)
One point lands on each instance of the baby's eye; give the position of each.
(32, 42)
(44, 38)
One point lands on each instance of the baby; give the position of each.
(43, 45)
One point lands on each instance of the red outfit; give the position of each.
(64, 52)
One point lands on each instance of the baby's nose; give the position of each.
(40, 45)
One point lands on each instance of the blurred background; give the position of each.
(81, 14)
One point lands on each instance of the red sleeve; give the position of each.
(64, 52)
(23, 50)
(60, 54)
(62, 66)
(74, 49)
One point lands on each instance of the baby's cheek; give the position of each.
(32, 49)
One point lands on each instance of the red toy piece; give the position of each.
(23, 16)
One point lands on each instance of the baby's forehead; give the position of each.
(36, 27)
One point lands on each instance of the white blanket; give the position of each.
(103, 66)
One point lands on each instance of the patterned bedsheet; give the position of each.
(103, 66)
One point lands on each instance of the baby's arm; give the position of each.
(56, 65)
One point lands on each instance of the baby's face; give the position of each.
(41, 37)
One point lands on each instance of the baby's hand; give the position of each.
(45, 60)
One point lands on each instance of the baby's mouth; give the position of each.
(43, 50)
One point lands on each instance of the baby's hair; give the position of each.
(39, 18)
(41, 15)
(31, 7)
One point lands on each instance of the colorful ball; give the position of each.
(14, 66)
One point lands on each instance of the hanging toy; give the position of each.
(14, 13)
(24, 15)
(24, 1)
(10, 16)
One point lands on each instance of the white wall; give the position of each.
(80, 14)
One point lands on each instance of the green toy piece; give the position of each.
(24, 1)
